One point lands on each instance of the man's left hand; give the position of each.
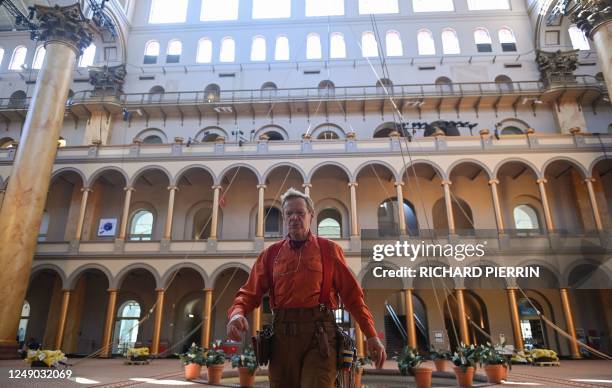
(377, 351)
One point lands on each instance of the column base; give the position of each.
(9, 350)
(164, 246)
(119, 245)
(211, 245)
(259, 244)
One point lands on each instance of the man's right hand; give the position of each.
(237, 324)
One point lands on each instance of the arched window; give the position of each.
(6, 142)
(271, 9)
(444, 85)
(384, 86)
(432, 6)
(228, 50)
(126, 327)
(204, 51)
(450, 42)
(39, 57)
(156, 93)
(153, 139)
(18, 99)
(258, 49)
(175, 49)
(212, 92)
(326, 88)
(23, 322)
(507, 39)
(337, 46)
(268, 89)
(273, 223)
(274, 136)
(43, 230)
(512, 130)
(329, 223)
(19, 57)
(526, 218)
(504, 83)
(579, 40)
(388, 213)
(476, 5)
(88, 57)
(168, 11)
(313, 46)
(215, 10)
(281, 51)
(369, 46)
(378, 6)
(1, 55)
(482, 40)
(151, 52)
(141, 228)
(324, 7)
(328, 135)
(394, 44)
(426, 43)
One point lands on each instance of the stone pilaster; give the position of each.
(66, 33)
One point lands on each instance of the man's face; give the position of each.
(297, 218)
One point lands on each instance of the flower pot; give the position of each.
(440, 365)
(422, 377)
(247, 379)
(193, 371)
(215, 372)
(464, 379)
(358, 374)
(495, 373)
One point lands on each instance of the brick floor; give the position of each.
(113, 373)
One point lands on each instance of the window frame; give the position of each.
(172, 4)
(11, 66)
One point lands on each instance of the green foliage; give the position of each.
(408, 359)
(194, 355)
(215, 355)
(245, 360)
(465, 356)
(488, 355)
(436, 354)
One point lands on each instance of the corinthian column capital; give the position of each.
(65, 24)
(589, 14)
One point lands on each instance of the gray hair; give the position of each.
(293, 193)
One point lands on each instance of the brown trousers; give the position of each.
(296, 360)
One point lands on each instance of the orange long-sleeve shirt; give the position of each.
(298, 274)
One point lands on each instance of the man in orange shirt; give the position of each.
(304, 343)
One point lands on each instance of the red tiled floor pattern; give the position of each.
(165, 373)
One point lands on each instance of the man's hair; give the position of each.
(293, 193)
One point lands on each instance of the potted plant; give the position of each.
(214, 358)
(409, 362)
(359, 366)
(247, 367)
(465, 359)
(192, 360)
(493, 362)
(45, 358)
(137, 354)
(440, 358)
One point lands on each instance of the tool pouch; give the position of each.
(262, 345)
(346, 349)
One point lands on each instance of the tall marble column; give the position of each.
(66, 33)
(547, 213)
(410, 325)
(354, 224)
(109, 323)
(207, 317)
(516, 319)
(59, 338)
(400, 208)
(168, 228)
(569, 320)
(594, 18)
(449, 207)
(84, 197)
(260, 211)
(596, 216)
(462, 316)
(127, 200)
(157, 326)
(496, 206)
(215, 212)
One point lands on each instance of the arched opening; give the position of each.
(102, 216)
(152, 49)
(126, 326)
(326, 88)
(533, 329)
(384, 86)
(482, 40)
(511, 130)
(212, 93)
(526, 218)
(156, 93)
(175, 49)
(568, 197)
(507, 39)
(7, 142)
(229, 280)
(475, 309)
(268, 90)
(329, 223)
(444, 85)
(43, 298)
(228, 50)
(450, 42)
(425, 42)
(141, 225)
(386, 129)
(18, 99)
(388, 218)
(462, 213)
(193, 205)
(504, 83)
(152, 139)
(273, 225)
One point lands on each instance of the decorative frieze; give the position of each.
(589, 14)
